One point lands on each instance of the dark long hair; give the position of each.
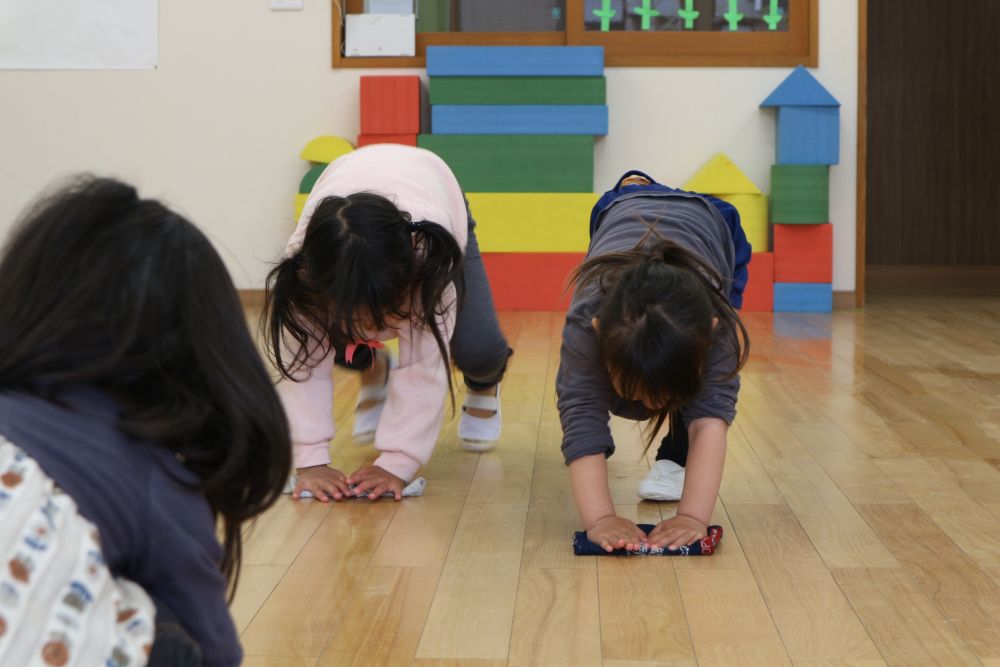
(99, 287)
(655, 322)
(361, 257)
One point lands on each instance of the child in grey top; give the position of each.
(652, 334)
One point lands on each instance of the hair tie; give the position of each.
(416, 225)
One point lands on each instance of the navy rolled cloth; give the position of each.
(703, 547)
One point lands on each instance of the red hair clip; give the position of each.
(352, 348)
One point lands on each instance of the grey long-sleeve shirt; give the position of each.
(585, 395)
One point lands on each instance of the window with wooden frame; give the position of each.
(653, 33)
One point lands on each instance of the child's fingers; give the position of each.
(377, 491)
(684, 539)
(317, 491)
(341, 488)
(327, 491)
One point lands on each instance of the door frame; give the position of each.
(862, 166)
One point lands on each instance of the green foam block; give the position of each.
(516, 162)
(800, 194)
(309, 180)
(517, 90)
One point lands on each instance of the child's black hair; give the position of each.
(99, 287)
(362, 262)
(657, 322)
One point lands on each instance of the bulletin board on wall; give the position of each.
(78, 34)
(654, 33)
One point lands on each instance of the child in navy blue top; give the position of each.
(128, 374)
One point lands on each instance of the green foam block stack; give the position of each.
(516, 163)
(800, 194)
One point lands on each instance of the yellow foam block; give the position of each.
(757, 236)
(720, 175)
(532, 221)
(752, 208)
(753, 217)
(300, 203)
(326, 149)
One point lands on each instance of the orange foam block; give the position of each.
(369, 139)
(390, 105)
(803, 253)
(530, 280)
(758, 296)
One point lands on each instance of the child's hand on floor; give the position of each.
(374, 481)
(676, 532)
(613, 532)
(323, 482)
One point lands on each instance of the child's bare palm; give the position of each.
(614, 532)
(323, 482)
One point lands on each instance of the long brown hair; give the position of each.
(100, 287)
(656, 322)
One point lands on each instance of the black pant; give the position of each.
(172, 645)
(674, 446)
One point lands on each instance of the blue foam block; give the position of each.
(808, 135)
(515, 60)
(803, 297)
(800, 88)
(519, 119)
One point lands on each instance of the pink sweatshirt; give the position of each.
(421, 184)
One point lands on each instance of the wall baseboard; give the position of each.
(254, 298)
(933, 280)
(844, 301)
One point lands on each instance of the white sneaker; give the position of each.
(665, 481)
(366, 421)
(480, 434)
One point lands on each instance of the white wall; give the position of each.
(216, 130)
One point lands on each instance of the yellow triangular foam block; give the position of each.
(326, 149)
(721, 176)
(753, 217)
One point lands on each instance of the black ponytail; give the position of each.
(439, 264)
(362, 263)
(655, 322)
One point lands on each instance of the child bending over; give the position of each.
(652, 334)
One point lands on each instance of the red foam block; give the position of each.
(803, 253)
(390, 105)
(530, 280)
(405, 139)
(758, 296)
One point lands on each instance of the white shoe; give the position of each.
(665, 481)
(480, 434)
(366, 421)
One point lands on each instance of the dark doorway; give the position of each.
(933, 175)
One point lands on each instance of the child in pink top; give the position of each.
(384, 233)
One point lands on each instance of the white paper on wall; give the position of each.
(78, 34)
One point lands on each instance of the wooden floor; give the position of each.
(861, 504)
